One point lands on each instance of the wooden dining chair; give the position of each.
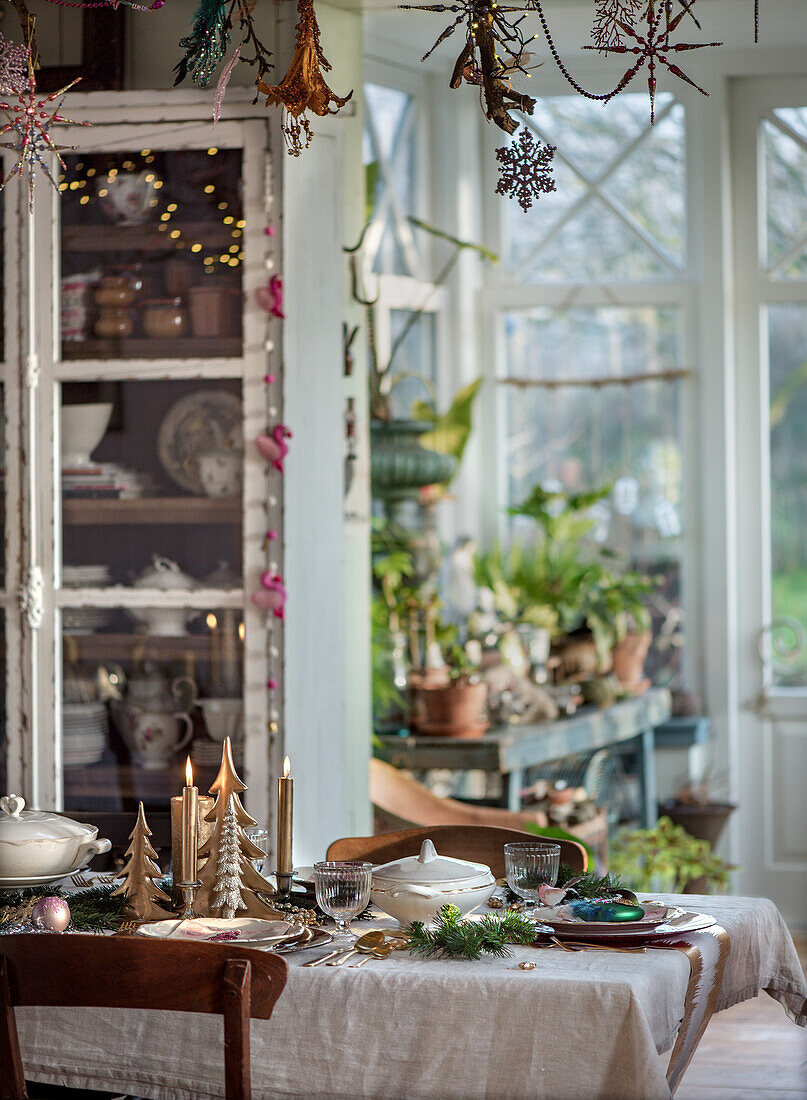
(479, 843)
(128, 972)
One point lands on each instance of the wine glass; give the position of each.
(260, 838)
(343, 890)
(529, 865)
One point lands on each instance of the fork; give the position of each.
(580, 946)
(127, 928)
(80, 881)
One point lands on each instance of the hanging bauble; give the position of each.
(51, 914)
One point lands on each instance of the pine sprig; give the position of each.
(454, 938)
(92, 910)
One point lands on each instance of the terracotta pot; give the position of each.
(629, 658)
(211, 310)
(454, 711)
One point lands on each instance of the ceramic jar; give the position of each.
(164, 318)
(166, 576)
(35, 844)
(417, 887)
(117, 291)
(211, 310)
(114, 323)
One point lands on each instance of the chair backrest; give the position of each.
(178, 976)
(480, 843)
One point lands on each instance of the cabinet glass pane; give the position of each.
(142, 690)
(3, 723)
(151, 254)
(152, 470)
(787, 339)
(2, 478)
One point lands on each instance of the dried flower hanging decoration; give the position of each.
(303, 88)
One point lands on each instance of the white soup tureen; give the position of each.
(36, 844)
(417, 887)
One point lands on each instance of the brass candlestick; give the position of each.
(189, 894)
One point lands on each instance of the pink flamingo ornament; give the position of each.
(271, 596)
(270, 297)
(274, 447)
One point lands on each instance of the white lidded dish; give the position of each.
(417, 887)
(36, 843)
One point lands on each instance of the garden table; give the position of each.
(577, 1026)
(510, 750)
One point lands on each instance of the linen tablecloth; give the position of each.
(576, 1027)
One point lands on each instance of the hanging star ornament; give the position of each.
(653, 46)
(31, 120)
(525, 171)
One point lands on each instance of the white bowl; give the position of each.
(35, 843)
(83, 428)
(223, 718)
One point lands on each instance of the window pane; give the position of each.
(786, 200)
(787, 329)
(416, 355)
(151, 254)
(619, 209)
(389, 147)
(580, 437)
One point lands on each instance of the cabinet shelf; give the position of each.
(144, 347)
(151, 510)
(111, 782)
(102, 646)
(143, 238)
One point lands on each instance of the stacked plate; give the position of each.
(658, 920)
(84, 733)
(207, 753)
(85, 620)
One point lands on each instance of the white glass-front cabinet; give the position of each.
(131, 478)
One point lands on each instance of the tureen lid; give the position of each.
(166, 574)
(429, 867)
(17, 823)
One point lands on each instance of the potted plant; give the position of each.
(666, 858)
(615, 610)
(456, 708)
(696, 809)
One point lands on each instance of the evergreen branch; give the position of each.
(454, 938)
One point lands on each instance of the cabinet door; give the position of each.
(157, 356)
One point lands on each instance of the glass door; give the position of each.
(157, 352)
(770, 173)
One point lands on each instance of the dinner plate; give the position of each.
(675, 926)
(202, 929)
(561, 918)
(40, 880)
(207, 420)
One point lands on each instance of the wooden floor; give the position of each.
(750, 1052)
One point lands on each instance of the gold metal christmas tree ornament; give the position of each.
(229, 848)
(139, 874)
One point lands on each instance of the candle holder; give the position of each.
(283, 880)
(189, 894)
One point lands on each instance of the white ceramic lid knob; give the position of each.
(427, 852)
(12, 804)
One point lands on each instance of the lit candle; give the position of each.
(206, 803)
(285, 799)
(190, 826)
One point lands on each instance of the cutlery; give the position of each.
(382, 952)
(127, 928)
(325, 958)
(366, 943)
(80, 881)
(578, 945)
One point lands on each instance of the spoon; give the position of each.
(382, 952)
(364, 944)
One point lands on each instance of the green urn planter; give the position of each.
(400, 466)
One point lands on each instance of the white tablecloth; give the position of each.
(578, 1026)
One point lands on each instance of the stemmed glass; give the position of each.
(529, 865)
(343, 890)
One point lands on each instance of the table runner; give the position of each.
(582, 1025)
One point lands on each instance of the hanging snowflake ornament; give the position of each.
(525, 171)
(31, 120)
(13, 66)
(653, 46)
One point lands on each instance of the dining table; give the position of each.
(577, 1024)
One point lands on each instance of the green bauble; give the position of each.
(611, 912)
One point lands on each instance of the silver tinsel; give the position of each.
(227, 890)
(13, 66)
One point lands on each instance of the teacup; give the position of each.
(128, 197)
(220, 473)
(223, 718)
(151, 736)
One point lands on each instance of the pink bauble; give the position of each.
(51, 914)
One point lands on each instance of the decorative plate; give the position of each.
(208, 420)
(674, 926)
(207, 929)
(561, 918)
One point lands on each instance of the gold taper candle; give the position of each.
(190, 827)
(206, 802)
(285, 800)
